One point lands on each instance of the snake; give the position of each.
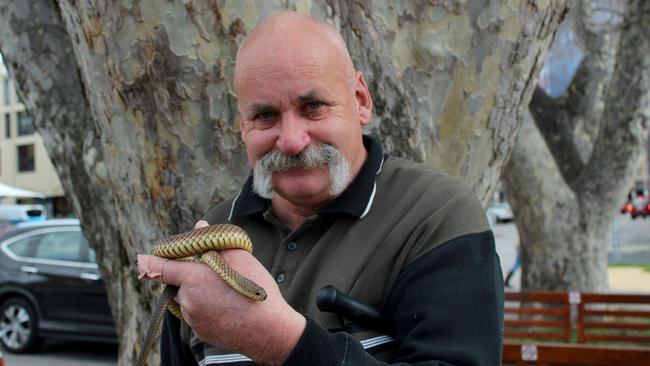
(199, 245)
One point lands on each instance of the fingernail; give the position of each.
(149, 275)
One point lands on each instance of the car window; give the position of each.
(21, 247)
(92, 258)
(62, 245)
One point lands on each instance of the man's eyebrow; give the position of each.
(261, 107)
(308, 97)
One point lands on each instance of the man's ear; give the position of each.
(364, 100)
(241, 130)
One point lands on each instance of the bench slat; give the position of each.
(544, 311)
(613, 325)
(587, 297)
(618, 338)
(615, 312)
(528, 335)
(536, 323)
(576, 355)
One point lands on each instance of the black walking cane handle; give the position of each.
(331, 300)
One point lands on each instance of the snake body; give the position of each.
(199, 245)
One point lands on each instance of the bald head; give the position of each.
(297, 91)
(291, 36)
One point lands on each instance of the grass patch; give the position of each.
(644, 266)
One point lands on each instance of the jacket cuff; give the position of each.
(317, 346)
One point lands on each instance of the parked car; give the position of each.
(50, 287)
(14, 214)
(501, 211)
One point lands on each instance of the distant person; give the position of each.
(515, 265)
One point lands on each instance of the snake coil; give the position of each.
(201, 246)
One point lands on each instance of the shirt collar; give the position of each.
(356, 200)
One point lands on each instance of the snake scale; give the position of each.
(199, 245)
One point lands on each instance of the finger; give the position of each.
(201, 223)
(162, 270)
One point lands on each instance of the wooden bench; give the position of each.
(614, 319)
(571, 328)
(536, 316)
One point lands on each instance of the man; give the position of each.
(325, 206)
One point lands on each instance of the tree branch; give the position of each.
(571, 123)
(554, 119)
(626, 115)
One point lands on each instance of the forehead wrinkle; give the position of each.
(257, 72)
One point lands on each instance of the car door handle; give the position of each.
(28, 269)
(89, 276)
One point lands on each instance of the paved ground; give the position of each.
(630, 247)
(59, 353)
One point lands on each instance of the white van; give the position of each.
(14, 214)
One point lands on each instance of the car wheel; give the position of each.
(18, 329)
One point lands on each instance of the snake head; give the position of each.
(260, 295)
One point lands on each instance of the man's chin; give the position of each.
(301, 187)
(298, 178)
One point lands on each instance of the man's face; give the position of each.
(290, 101)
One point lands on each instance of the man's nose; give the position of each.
(293, 137)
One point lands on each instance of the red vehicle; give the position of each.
(637, 206)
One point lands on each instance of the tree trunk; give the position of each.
(565, 186)
(450, 83)
(547, 214)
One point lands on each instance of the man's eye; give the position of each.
(313, 106)
(264, 116)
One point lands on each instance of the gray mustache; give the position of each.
(314, 156)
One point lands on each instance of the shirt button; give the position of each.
(280, 278)
(292, 246)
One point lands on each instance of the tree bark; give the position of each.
(564, 196)
(157, 130)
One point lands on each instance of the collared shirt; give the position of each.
(412, 242)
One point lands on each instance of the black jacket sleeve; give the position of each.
(173, 352)
(446, 308)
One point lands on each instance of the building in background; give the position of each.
(24, 162)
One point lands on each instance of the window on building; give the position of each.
(26, 158)
(7, 125)
(6, 91)
(25, 124)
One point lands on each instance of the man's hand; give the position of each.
(266, 331)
